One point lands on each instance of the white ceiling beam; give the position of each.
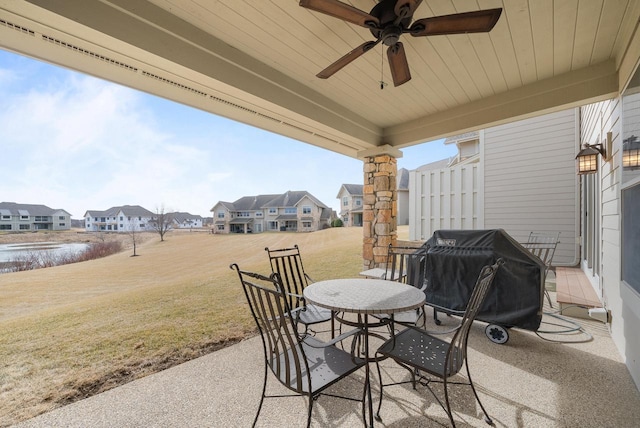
(572, 89)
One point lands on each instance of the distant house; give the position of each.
(350, 197)
(28, 217)
(119, 219)
(182, 220)
(293, 211)
(351, 201)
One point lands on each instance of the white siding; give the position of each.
(624, 303)
(530, 180)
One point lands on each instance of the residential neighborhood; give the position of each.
(129, 218)
(292, 211)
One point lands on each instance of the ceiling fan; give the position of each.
(389, 19)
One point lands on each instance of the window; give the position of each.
(24, 227)
(258, 213)
(273, 211)
(121, 217)
(61, 217)
(306, 209)
(220, 214)
(358, 202)
(272, 225)
(6, 217)
(291, 210)
(306, 224)
(103, 219)
(5, 227)
(345, 201)
(630, 245)
(221, 227)
(41, 218)
(24, 217)
(62, 224)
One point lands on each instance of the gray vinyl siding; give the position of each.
(530, 180)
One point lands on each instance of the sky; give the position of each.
(74, 142)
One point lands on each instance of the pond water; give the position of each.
(10, 252)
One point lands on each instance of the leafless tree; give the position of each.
(162, 222)
(134, 229)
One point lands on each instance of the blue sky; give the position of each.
(79, 143)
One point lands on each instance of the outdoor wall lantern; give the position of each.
(631, 152)
(587, 158)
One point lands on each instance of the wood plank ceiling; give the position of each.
(255, 61)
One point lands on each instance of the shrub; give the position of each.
(43, 259)
(336, 223)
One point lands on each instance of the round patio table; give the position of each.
(364, 297)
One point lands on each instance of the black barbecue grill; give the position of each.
(454, 260)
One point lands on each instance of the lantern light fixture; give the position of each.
(631, 153)
(587, 158)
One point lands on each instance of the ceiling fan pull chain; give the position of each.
(382, 84)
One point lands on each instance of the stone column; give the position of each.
(379, 216)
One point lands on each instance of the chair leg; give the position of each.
(378, 418)
(264, 389)
(435, 317)
(310, 410)
(546, 293)
(487, 419)
(446, 401)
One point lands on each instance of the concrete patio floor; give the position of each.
(528, 382)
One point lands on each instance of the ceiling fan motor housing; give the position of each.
(389, 31)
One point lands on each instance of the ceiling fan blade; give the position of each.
(398, 63)
(412, 5)
(469, 22)
(348, 58)
(343, 11)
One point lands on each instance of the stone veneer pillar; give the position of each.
(379, 218)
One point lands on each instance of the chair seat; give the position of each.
(380, 273)
(312, 314)
(405, 317)
(421, 351)
(327, 365)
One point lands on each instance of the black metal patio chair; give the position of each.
(300, 362)
(432, 359)
(287, 263)
(407, 265)
(543, 245)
